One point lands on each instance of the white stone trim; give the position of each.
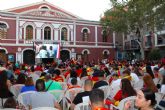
(5, 23)
(96, 36)
(44, 6)
(74, 33)
(51, 27)
(2, 48)
(85, 50)
(85, 28)
(31, 24)
(56, 20)
(105, 50)
(68, 31)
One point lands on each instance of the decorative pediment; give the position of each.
(47, 13)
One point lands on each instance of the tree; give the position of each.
(136, 16)
(154, 55)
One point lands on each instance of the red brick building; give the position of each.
(23, 27)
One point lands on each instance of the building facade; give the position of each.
(24, 27)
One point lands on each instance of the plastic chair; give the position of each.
(156, 80)
(44, 108)
(106, 90)
(2, 101)
(71, 93)
(64, 85)
(159, 96)
(139, 84)
(58, 94)
(82, 106)
(24, 98)
(122, 103)
(16, 89)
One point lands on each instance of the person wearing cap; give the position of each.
(100, 81)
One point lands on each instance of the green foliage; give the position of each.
(128, 15)
(154, 55)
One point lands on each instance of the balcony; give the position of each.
(161, 40)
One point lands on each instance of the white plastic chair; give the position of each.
(16, 89)
(64, 85)
(44, 108)
(58, 94)
(106, 90)
(2, 101)
(24, 98)
(82, 106)
(122, 103)
(159, 96)
(139, 84)
(156, 80)
(71, 93)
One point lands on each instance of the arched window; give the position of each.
(47, 33)
(29, 32)
(44, 7)
(105, 55)
(104, 36)
(64, 34)
(3, 31)
(85, 35)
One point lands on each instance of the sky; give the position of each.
(86, 9)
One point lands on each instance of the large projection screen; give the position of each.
(47, 51)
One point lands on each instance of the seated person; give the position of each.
(127, 74)
(73, 84)
(42, 98)
(29, 85)
(125, 91)
(56, 76)
(145, 100)
(97, 100)
(79, 97)
(100, 81)
(51, 85)
(113, 78)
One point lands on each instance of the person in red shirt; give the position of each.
(57, 77)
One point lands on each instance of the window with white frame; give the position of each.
(47, 33)
(64, 33)
(29, 32)
(3, 30)
(85, 35)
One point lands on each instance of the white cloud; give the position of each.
(87, 9)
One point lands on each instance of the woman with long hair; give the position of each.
(145, 100)
(149, 83)
(4, 85)
(126, 91)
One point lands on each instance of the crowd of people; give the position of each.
(121, 76)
